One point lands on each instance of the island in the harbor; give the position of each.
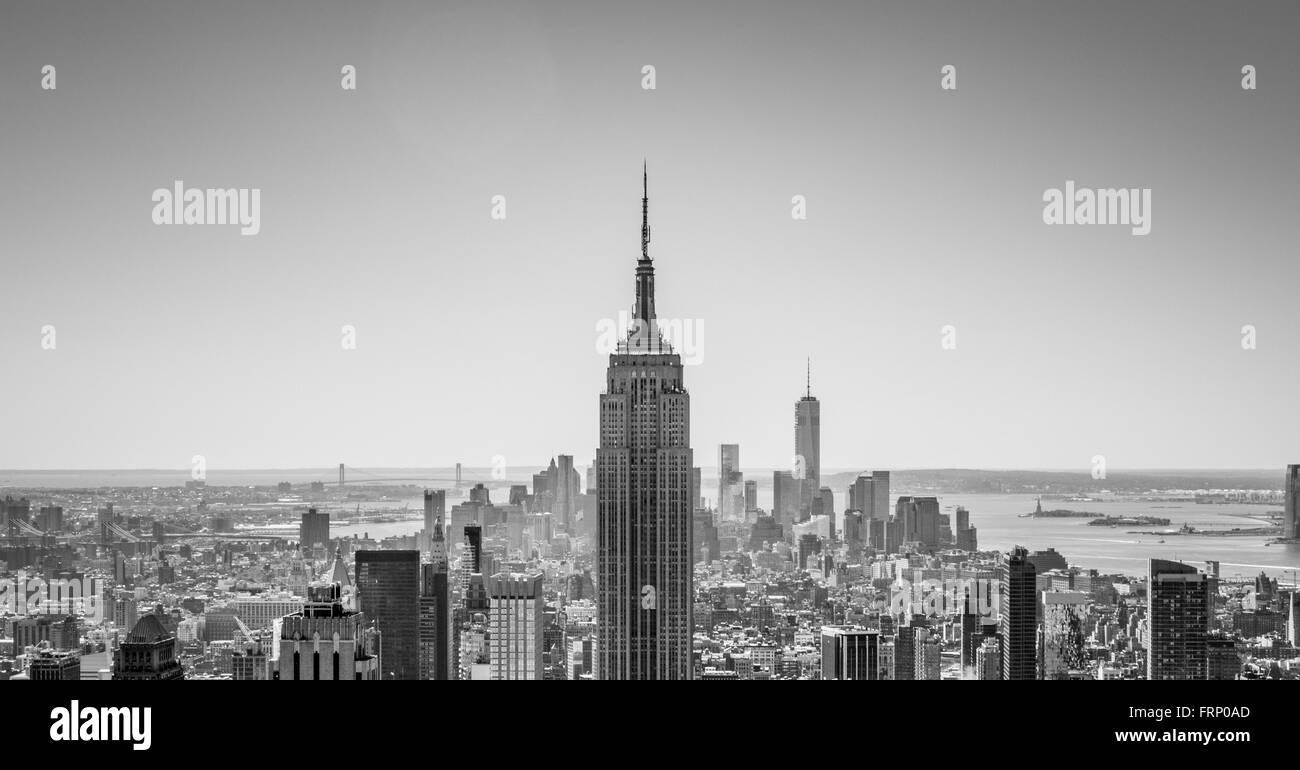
(1039, 513)
(1129, 521)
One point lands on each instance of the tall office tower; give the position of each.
(905, 653)
(850, 653)
(1291, 515)
(515, 625)
(645, 592)
(473, 555)
(148, 652)
(435, 511)
(751, 497)
(966, 534)
(314, 530)
(905, 513)
(927, 653)
(785, 497)
(328, 640)
(471, 558)
(341, 478)
(435, 605)
(1017, 621)
(728, 475)
(1063, 654)
(388, 592)
(696, 487)
(568, 485)
(880, 494)
(927, 521)
(808, 446)
(1178, 613)
(434, 623)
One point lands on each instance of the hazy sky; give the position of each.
(478, 337)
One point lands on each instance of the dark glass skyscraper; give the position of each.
(644, 476)
(388, 592)
(1017, 616)
(314, 529)
(1178, 611)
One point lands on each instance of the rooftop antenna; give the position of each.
(645, 210)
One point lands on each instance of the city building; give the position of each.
(729, 478)
(1179, 607)
(1017, 622)
(435, 613)
(785, 497)
(314, 531)
(52, 665)
(327, 641)
(435, 511)
(148, 652)
(807, 446)
(645, 587)
(850, 653)
(566, 486)
(388, 592)
(516, 604)
(1062, 654)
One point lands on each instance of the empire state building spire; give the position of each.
(644, 336)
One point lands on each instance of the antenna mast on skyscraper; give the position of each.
(645, 210)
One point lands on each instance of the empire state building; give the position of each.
(644, 473)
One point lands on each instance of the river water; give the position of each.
(1107, 549)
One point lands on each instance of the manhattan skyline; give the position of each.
(329, 355)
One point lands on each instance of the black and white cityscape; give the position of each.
(430, 414)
